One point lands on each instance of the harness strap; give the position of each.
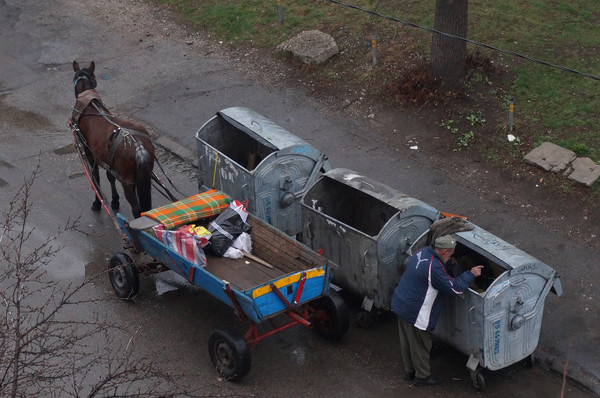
(118, 138)
(80, 140)
(119, 135)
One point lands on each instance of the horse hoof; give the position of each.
(96, 207)
(115, 206)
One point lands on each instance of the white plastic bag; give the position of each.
(241, 244)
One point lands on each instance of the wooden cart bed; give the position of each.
(282, 252)
(268, 244)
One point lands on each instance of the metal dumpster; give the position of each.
(497, 321)
(364, 229)
(247, 156)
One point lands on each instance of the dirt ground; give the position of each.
(488, 163)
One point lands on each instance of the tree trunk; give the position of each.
(448, 55)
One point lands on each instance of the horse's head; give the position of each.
(84, 79)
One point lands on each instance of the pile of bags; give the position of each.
(227, 235)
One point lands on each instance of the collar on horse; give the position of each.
(82, 101)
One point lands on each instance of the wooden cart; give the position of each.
(282, 276)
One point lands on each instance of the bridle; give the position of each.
(84, 75)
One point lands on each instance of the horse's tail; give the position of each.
(144, 165)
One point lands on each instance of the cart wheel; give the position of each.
(477, 380)
(229, 355)
(364, 319)
(331, 317)
(123, 276)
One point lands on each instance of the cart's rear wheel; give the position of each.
(331, 317)
(230, 355)
(123, 276)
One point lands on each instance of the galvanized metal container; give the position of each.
(363, 228)
(497, 321)
(247, 156)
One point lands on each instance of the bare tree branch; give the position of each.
(43, 352)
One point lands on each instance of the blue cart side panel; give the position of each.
(268, 303)
(193, 273)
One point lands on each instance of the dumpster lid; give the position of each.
(260, 128)
(374, 188)
(496, 249)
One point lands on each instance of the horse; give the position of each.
(122, 147)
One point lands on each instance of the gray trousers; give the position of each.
(415, 346)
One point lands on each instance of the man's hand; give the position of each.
(476, 271)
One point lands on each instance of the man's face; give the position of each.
(446, 254)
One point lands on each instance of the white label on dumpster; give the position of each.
(350, 177)
(498, 288)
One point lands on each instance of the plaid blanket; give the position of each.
(195, 207)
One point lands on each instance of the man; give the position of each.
(416, 302)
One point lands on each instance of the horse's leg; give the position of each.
(96, 176)
(130, 195)
(113, 190)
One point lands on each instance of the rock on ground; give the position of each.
(311, 46)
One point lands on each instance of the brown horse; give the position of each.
(123, 148)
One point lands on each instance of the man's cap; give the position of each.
(445, 242)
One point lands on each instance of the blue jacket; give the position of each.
(416, 297)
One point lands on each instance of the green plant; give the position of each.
(480, 77)
(450, 126)
(463, 141)
(476, 118)
(494, 157)
(580, 148)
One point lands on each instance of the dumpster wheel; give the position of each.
(530, 361)
(364, 319)
(477, 380)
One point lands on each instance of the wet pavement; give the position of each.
(174, 88)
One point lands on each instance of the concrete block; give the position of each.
(550, 157)
(585, 171)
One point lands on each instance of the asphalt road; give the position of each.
(174, 85)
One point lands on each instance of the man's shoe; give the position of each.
(428, 381)
(409, 376)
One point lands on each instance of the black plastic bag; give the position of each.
(225, 229)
